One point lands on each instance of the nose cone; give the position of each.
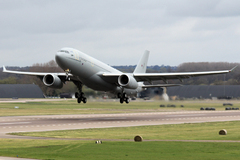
(60, 59)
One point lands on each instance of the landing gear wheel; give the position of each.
(84, 100)
(76, 95)
(127, 100)
(121, 100)
(79, 100)
(80, 95)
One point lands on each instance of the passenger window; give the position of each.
(64, 51)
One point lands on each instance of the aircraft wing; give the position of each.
(161, 85)
(180, 76)
(40, 74)
(166, 76)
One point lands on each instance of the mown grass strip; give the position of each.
(52, 149)
(190, 131)
(99, 107)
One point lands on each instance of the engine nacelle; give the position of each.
(52, 81)
(127, 81)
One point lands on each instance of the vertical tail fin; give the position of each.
(142, 64)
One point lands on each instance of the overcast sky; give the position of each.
(117, 32)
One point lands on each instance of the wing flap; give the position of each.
(161, 85)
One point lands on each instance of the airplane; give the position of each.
(83, 69)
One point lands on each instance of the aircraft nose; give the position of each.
(59, 57)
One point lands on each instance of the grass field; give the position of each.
(71, 107)
(191, 131)
(61, 150)
(77, 149)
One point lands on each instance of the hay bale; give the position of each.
(138, 138)
(98, 142)
(223, 132)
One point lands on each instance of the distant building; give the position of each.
(205, 92)
(20, 91)
(66, 95)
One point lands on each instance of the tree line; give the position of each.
(232, 78)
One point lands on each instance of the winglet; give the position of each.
(233, 68)
(4, 69)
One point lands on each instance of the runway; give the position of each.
(67, 122)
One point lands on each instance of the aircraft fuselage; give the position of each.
(87, 69)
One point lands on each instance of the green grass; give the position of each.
(72, 149)
(71, 107)
(194, 131)
(53, 149)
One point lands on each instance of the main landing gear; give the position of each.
(123, 98)
(80, 95)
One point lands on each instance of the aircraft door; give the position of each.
(76, 55)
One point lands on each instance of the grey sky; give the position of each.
(117, 32)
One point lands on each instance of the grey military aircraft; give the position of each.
(83, 69)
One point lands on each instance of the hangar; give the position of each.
(20, 91)
(205, 91)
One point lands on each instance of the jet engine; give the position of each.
(127, 81)
(52, 81)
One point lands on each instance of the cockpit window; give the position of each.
(64, 51)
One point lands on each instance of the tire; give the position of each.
(121, 100)
(76, 95)
(79, 100)
(84, 100)
(127, 100)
